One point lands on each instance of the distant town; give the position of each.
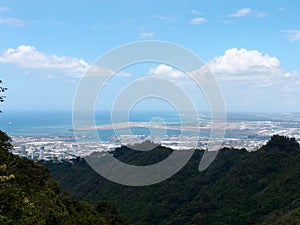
(245, 134)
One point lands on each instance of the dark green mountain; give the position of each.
(239, 187)
(29, 196)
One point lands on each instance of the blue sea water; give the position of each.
(39, 123)
(59, 123)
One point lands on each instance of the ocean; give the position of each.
(59, 123)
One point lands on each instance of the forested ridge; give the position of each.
(28, 195)
(239, 187)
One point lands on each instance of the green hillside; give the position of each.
(240, 187)
(29, 196)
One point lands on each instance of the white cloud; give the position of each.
(294, 35)
(3, 9)
(236, 61)
(246, 12)
(241, 12)
(95, 70)
(196, 12)
(281, 9)
(147, 34)
(197, 20)
(251, 80)
(248, 79)
(238, 67)
(28, 57)
(167, 71)
(12, 22)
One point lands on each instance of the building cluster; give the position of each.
(247, 134)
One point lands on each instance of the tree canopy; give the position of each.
(239, 187)
(2, 90)
(28, 195)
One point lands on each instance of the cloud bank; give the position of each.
(28, 57)
(236, 68)
(240, 68)
(248, 67)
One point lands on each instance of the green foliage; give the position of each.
(282, 143)
(111, 213)
(5, 143)
(2, 90)
(28, 195)
(239, 187)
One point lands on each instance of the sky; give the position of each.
(252, 48)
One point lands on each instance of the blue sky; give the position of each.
(251, 47)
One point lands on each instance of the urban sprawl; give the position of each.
(247, 134)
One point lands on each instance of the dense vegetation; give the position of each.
(28, 196)
(240, 187)
(2, 90)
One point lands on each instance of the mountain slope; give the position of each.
(239, 187)
(28, 195)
